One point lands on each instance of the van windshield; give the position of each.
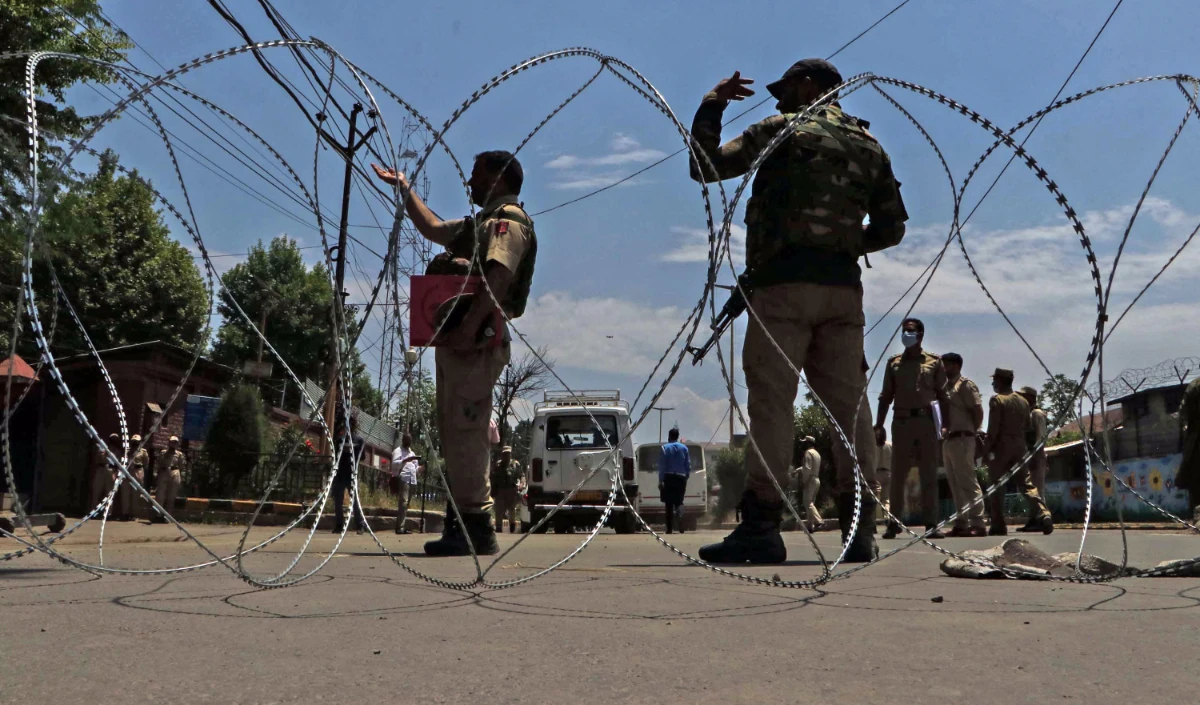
(648, 455)
(581, 432)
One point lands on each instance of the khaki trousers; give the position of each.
(1037, 472)
(1008, 452)
(914, 442)
(958, 455)
(506, 506)
(820, 329)
(167, 489)
(129, 502)
(403, 490)
(464, 407)
(102, 484)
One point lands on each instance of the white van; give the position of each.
(695, 498)
(566, 445)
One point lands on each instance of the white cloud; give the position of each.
(692, 246)
(578, 172)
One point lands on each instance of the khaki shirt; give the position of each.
(1008, 417)
(884, 460)
(811, 468)
(964, 398)
(1037, 417)
(169, 461)
(913, 382)
(501, 239)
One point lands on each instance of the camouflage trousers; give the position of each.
(464, 408)
(820, 330)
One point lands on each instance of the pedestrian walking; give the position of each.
(404, 468)
(674, 468)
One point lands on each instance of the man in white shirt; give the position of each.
(404, 467)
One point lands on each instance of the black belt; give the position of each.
(913, 413)
(960, 434)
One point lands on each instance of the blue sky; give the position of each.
(624, 264)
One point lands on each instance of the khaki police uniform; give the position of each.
(912, 382)
(505, 484)
(102, 479)
(465, 378)
(810, 485)
(131, 503)
(1008, 420)
(169, 473)
(1038, 464)
(958, 452)
(804, 235)
(884, 475)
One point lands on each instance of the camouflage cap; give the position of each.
(813, 68)
(1002, 373)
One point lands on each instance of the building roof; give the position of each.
(1094, 423)
(1148, 392)
(141, 350)
(18, 367)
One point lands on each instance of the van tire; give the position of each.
(624, 523)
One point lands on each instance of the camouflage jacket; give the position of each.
(806, 209)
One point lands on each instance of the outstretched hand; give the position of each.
(734, 88)
(390, 176)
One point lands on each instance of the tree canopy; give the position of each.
(114, 256)
(48, 25)
(296, 300)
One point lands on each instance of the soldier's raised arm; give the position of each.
(732, 159)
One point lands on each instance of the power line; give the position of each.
(732, 120)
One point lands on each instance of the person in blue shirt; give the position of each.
(674, 467)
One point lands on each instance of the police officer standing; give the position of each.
(506, 478)
(1038, 431)
(169, 473)
(502, 242)
(804, 235)
(809, 474)
(1008, 422)
(914, 380)
(131, 502)
(964, 420)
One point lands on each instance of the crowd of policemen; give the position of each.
(168, 469)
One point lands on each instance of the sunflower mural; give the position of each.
(1155, 480)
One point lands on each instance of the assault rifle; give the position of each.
(729, 313)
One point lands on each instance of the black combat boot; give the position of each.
(892, 530)
(454, 542)
(862, 547)
(755, 540)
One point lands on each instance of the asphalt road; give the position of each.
(626, 621)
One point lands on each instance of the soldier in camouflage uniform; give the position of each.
(501, 246)
(1008, 423)
(506, 478)
(914, 380)
(804, 235)
(168, 472)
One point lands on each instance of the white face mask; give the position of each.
(909, 338)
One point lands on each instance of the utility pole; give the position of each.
(339, 311)
(660, 410)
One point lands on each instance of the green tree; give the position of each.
(729, 468)
(45, 25)
(1058, 396)
(115, 259)
(274, 285)
(520, 438)
(235, 438)
(416, 413)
